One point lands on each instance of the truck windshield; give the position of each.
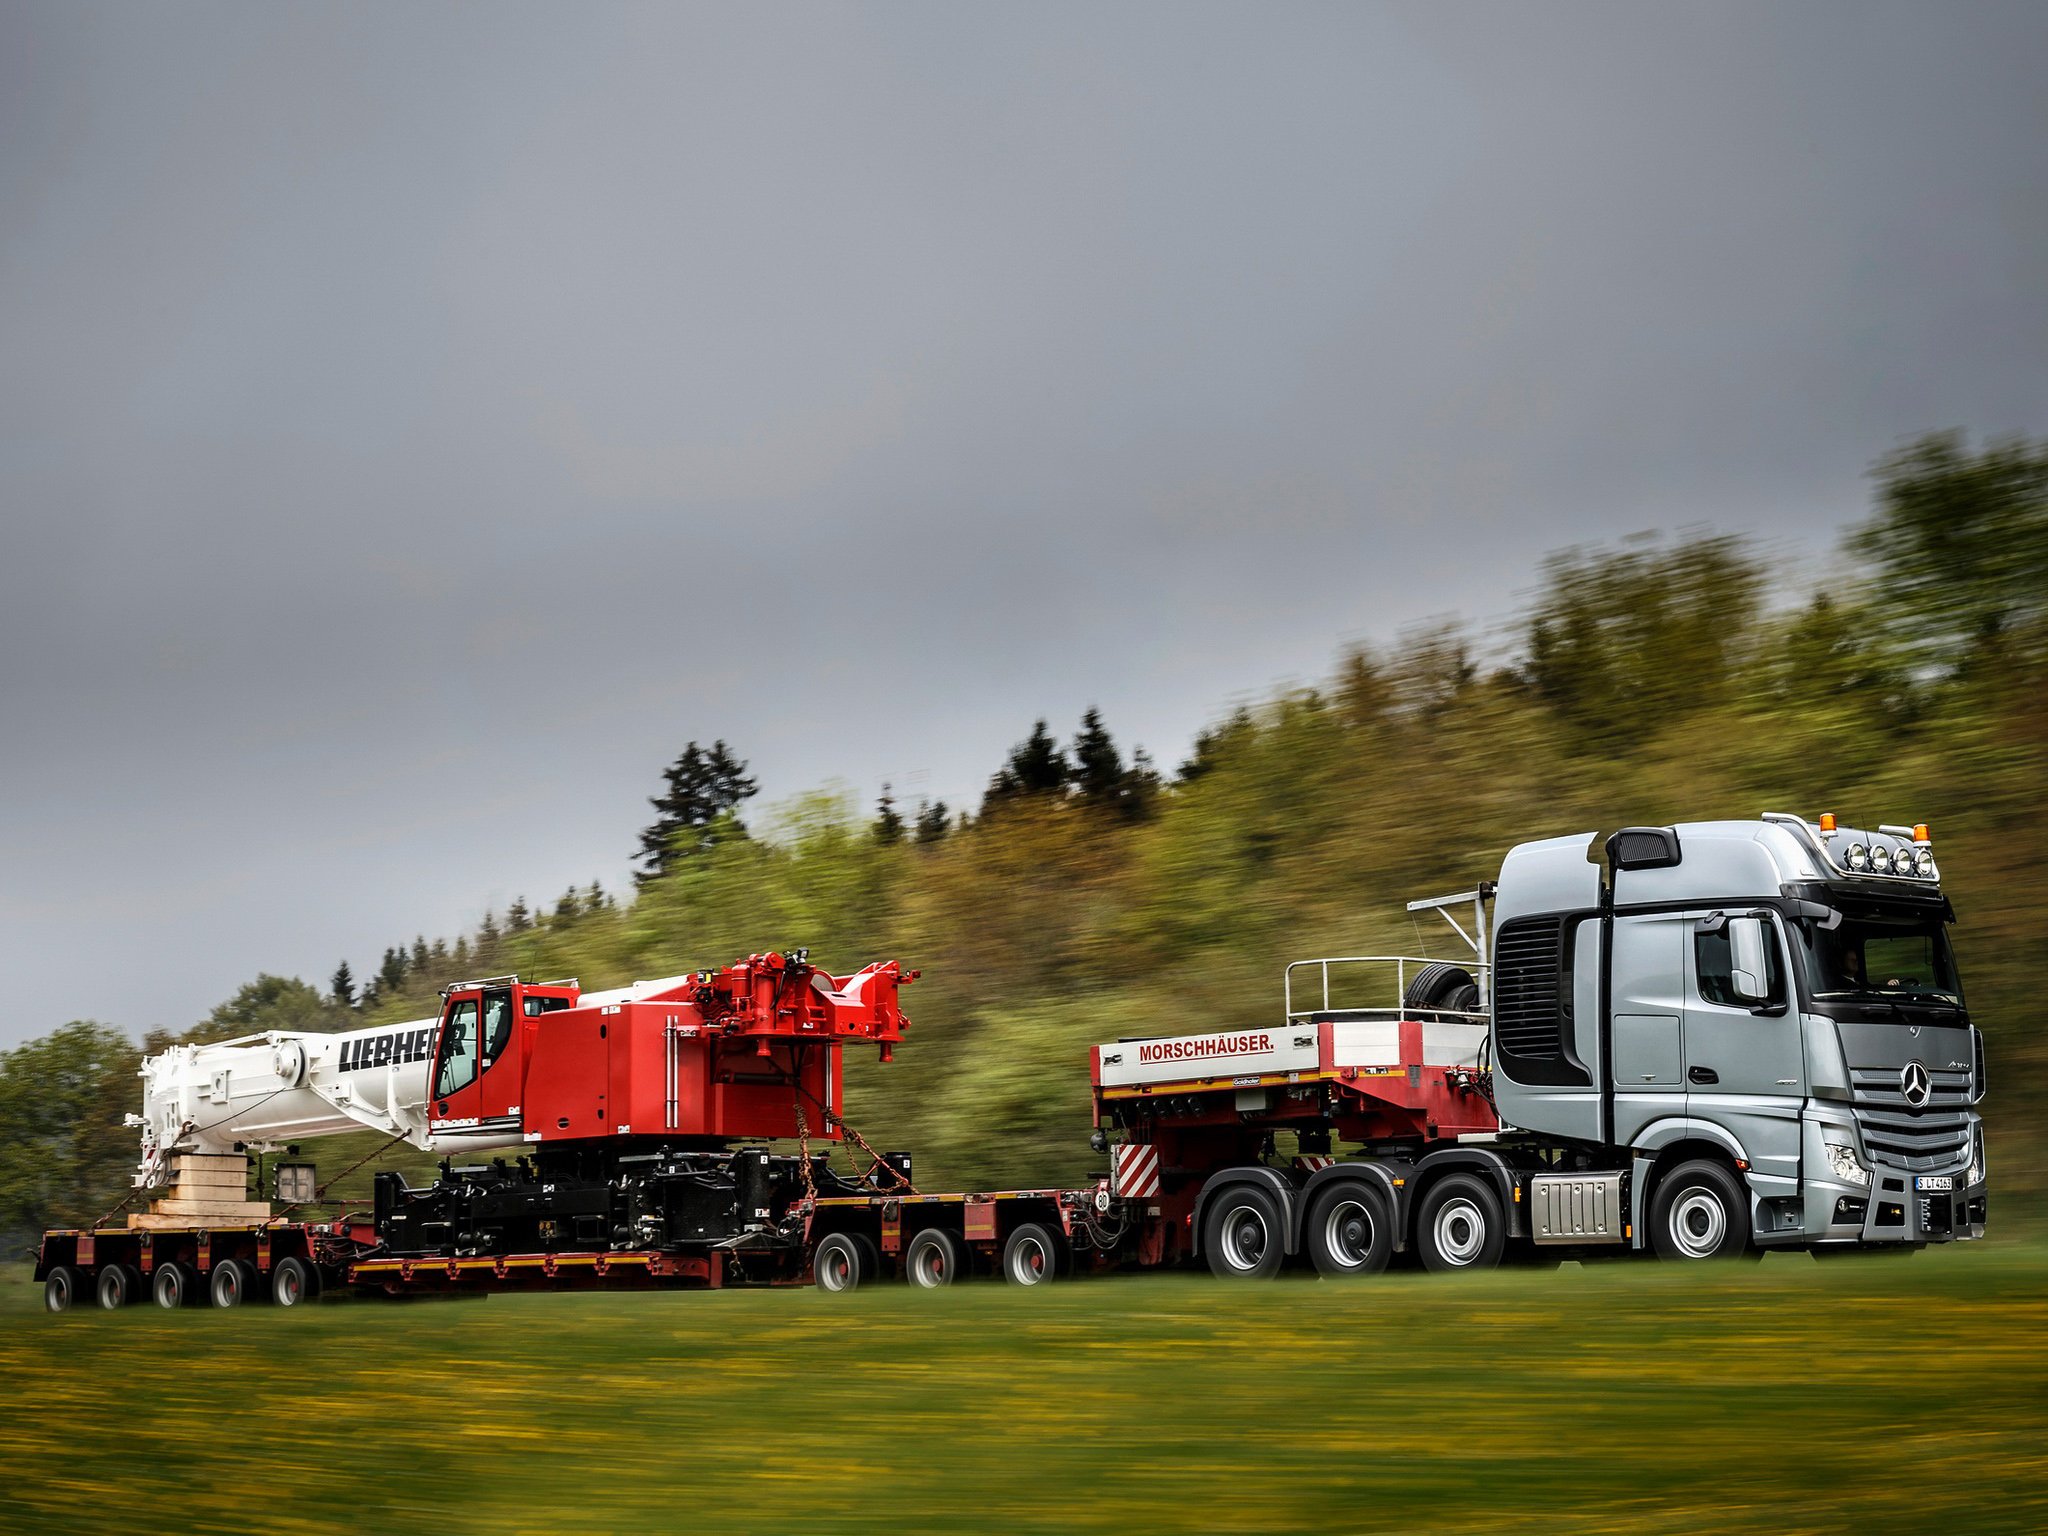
(1903, 958)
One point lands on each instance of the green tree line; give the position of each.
(1902, 678)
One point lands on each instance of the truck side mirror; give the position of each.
(1746, 956)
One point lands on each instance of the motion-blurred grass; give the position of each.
(1877, 1394)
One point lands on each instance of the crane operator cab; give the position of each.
(479, 1057)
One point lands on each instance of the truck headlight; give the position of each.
(1858, 858)
(1847, 1165)
(1927, 869)
(1976, 1175)
(1880, 859)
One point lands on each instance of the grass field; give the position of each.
(1902, 1394)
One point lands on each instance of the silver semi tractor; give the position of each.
(1755, 1030)
(1703, 1040)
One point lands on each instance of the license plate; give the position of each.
(1934, 1183)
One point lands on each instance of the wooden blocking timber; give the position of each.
(207, 1189)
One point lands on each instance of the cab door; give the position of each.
(502, 1043)
(453, 1083)
(1745, 1065)
(1647, 981)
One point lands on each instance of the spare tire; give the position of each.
(1442, 985)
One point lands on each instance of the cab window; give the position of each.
(1713, 959)
(456, 1068)
(497, 1025)
(536, 1006)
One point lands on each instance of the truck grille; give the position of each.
(1880, 1088)
(1933, 1137)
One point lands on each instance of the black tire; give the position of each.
(1350, 1229)
(227, 1283)
(1441, 984)
(1032, 1255)
(1700, 1210)
(871, 1270)
(1459, 1226)
(837, 1264)
(61, 1288)
(1242, 1236)
(172, 1285)
(934, 1258)
(294, 1282)
(114, 1287)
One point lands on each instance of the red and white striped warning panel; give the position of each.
(1135, 1170)
(1311, 1162)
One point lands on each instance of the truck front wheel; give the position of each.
(1699, 1211)
(1241, 1234)
(1350, 1231)
(1460, 1225)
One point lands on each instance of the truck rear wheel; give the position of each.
(1700, 1211)
(293, 1281)
(1350, 1230)
(117, 1286)
(934, 1258)
(839, 1265)
(1031, 1256)
(61, 1287)
(1460, 1225)
(1241, 1234)
(227, 1285)
(172, 1285)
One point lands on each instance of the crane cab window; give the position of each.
(455, 1067)
(536, 1006)
(497, 1030)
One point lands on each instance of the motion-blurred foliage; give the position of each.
(1903, 681)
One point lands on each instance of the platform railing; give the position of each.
(1401, 965)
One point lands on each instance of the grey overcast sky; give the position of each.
(418, 421)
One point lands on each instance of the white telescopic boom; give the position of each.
(262, 1091)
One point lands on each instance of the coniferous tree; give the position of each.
(888, 825)
(343, 986)
(419, 954)
(595, 899)
(932, 822)
(701, 787)
(1036, 766)
(568, 906)
(391, 974)
(1098, 772)
(517, 918)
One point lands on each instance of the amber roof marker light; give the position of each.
(1827, 821)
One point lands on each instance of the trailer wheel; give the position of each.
(1700, 1211)
(61, 1287)
(838, 1264)
(934, 1258)
(1350, 1230)
(116, 1287)
(1242, 1234)
(293, 1281)
(228, 1283)
(171, 1286)
(1031, 1256)
(1460, 1226)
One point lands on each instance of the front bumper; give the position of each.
(1886, 1212)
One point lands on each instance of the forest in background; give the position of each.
(1089, 897)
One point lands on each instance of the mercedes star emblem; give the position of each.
(1914, 1083)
